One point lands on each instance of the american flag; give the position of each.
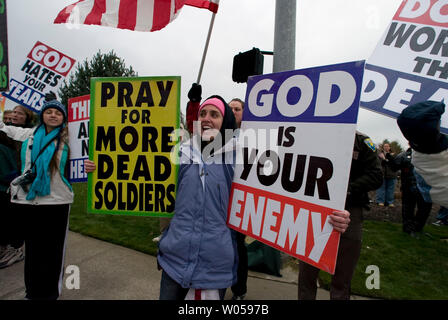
(139, 15)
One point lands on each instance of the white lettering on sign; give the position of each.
(51, 58)
(416, 8)
(260, 100)
(264, 215)
(81, 109)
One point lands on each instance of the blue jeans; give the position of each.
(171, 290)
(442, 214)
(385, 194)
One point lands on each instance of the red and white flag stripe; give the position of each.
(139, 15)
(211, 5)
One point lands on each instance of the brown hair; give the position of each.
(238, 100)
(30, 116)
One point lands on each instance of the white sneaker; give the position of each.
(6, 250)
(15, 255)
(157, 239)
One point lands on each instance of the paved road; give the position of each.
(112, 272)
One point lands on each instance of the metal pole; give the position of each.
(206, 47)
(285, 35)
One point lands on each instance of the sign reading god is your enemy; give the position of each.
(294, 158)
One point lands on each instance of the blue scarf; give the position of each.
(41, 185)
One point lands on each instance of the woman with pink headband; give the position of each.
(197, 253)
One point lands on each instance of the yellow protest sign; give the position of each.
(131, 137)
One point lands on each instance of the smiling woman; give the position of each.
(42, 197)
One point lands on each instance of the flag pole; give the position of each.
(206, 47)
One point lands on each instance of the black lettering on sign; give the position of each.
(164, 92)
(131, 196)
(128, 131)
(124, 94)
(248, 162)
(83, 131)
(271, 157)
(141, 169)
(107, 92)
(99, 194)
(144, 95)
(166, 139)
(103, 139)
(110, 195)
(326, 167)
(122, 166)
(105, 166)
(85, 147)
(295, 184)
(149, 137)
(162, 168)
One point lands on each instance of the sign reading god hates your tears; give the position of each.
(409, 64)
(43, 71)
(131, 136)
(296, 145)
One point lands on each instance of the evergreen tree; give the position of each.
(101, 65)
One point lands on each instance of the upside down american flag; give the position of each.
(138, 15)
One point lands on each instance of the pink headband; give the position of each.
(214, 102)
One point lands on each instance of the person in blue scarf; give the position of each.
(43, 195)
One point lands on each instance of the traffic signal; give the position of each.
(247, 64)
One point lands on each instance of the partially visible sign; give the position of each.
(296, 148)
(409, 64)
(4, 67)
(78, 129)
(43, 71)
(2, 102)
(132, 133)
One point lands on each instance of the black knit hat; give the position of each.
(53, 104)
(420, 125)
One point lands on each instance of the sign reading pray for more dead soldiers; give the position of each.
(131, 136)
(294, 158)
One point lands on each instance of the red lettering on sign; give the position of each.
(51, 58)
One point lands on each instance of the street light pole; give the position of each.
(285, 35)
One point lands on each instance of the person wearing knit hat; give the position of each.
(42, 196)
(197, 251)
(215, 116)
(201, 261)
(420, 124)
(53, 104)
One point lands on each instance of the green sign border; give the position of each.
(92, 140)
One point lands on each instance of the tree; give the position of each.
(101, 65)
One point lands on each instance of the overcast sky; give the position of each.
(328, 32)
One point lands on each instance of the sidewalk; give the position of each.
(112, 272)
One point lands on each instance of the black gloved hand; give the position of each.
(50, 96)
(195, 93)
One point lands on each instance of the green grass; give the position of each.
(409, 268)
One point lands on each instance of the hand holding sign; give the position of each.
(296, 146)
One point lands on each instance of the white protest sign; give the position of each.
(409, 63)
(296, 148)
(78, 129)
